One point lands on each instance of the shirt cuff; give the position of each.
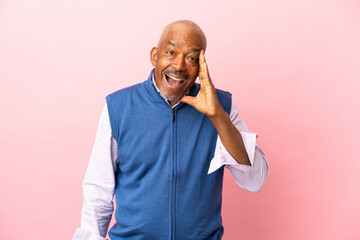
(81, 234)
(223, 157)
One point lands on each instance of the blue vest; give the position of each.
(162, 187)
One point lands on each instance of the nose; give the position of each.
(179, 63)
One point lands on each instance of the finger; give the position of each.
(201, 65)
(203, 68)
(202, 56)
(205, 75)
(188, 100)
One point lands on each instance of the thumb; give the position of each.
(188, 100)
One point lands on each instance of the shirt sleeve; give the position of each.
(251, 178)
(99, 184)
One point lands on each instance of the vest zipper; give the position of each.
(173, 182)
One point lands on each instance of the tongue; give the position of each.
(173, 83)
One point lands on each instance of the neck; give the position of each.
(172, 103)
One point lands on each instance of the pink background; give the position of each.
(293, 68)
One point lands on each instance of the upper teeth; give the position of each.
(176, 79)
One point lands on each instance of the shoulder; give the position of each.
(124, 91)
(223, 93)
(224, 99)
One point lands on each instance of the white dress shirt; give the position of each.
(99, 181)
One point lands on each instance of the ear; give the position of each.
(153, 56)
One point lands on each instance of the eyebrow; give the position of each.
(176, 45)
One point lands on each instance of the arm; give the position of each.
(206, 102)
(230, 137)
(251, 178)
(99, 184)
(232, 140)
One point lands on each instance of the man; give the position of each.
(161, 146)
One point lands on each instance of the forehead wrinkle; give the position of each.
(173, 44)
(193, 49)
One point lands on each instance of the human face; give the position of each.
(176, 63)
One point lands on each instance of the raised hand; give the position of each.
(206, 100)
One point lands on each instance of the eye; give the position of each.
(170, 52)
(193, 59)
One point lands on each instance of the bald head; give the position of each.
(185, 27)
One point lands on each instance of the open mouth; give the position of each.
(174, 81)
